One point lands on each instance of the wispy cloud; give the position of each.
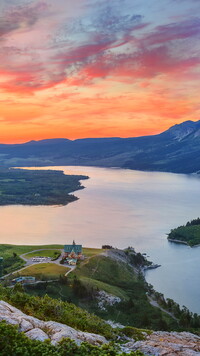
(189, 28)
(21, 17)
(85, 51)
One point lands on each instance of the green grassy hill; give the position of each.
(118, 274)
(8, 250)
(120, 279)
(116, 278)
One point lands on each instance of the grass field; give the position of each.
(103, 273)
(44, 271)
(119, 292)
(12, 264)
(90, 252)
(43, 253)
(8, 250)
(107, 270)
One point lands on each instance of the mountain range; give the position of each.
(175, 150)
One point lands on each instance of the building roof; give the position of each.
(74, 247)
(19, 279)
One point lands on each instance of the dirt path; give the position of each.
(36, 263)
(41, 249)
(95, 269)
(154, 303)
(30, 262)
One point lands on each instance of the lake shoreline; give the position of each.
(178, 242)
(183, 242)
(121, 208)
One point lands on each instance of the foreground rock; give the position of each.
(42, 330)
(159, 343)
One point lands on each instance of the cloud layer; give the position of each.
(105, 68)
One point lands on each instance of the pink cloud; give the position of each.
(109, 47)
(13, 18)
(174, 31)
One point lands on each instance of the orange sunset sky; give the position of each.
(97, 68)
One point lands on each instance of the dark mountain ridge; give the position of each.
(174, 150)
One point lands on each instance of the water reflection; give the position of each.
(122, 208)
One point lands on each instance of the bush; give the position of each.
(14, 343)
(136, 334)
(47, 308)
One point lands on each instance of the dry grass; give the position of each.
(44, 271)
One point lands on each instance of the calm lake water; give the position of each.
(122, 208)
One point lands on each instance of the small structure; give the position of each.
(40, 259)
(72, 262)
(72, 253)
(24, 280)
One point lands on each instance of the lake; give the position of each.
(122, 208)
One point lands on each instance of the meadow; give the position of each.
(44, 271)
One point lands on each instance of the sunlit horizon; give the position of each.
(97, 68)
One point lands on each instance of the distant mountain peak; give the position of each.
(186, 128)
(48, 141)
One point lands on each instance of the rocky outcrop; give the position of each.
(104, 300)
(159, 343)
(42, 330)
(37, 334)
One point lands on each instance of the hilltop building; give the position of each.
(72, 253)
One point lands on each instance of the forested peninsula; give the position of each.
(37, 187)
(187, 234)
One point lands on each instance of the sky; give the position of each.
(97, 68)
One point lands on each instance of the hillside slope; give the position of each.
(175, 150)
(103, 291)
